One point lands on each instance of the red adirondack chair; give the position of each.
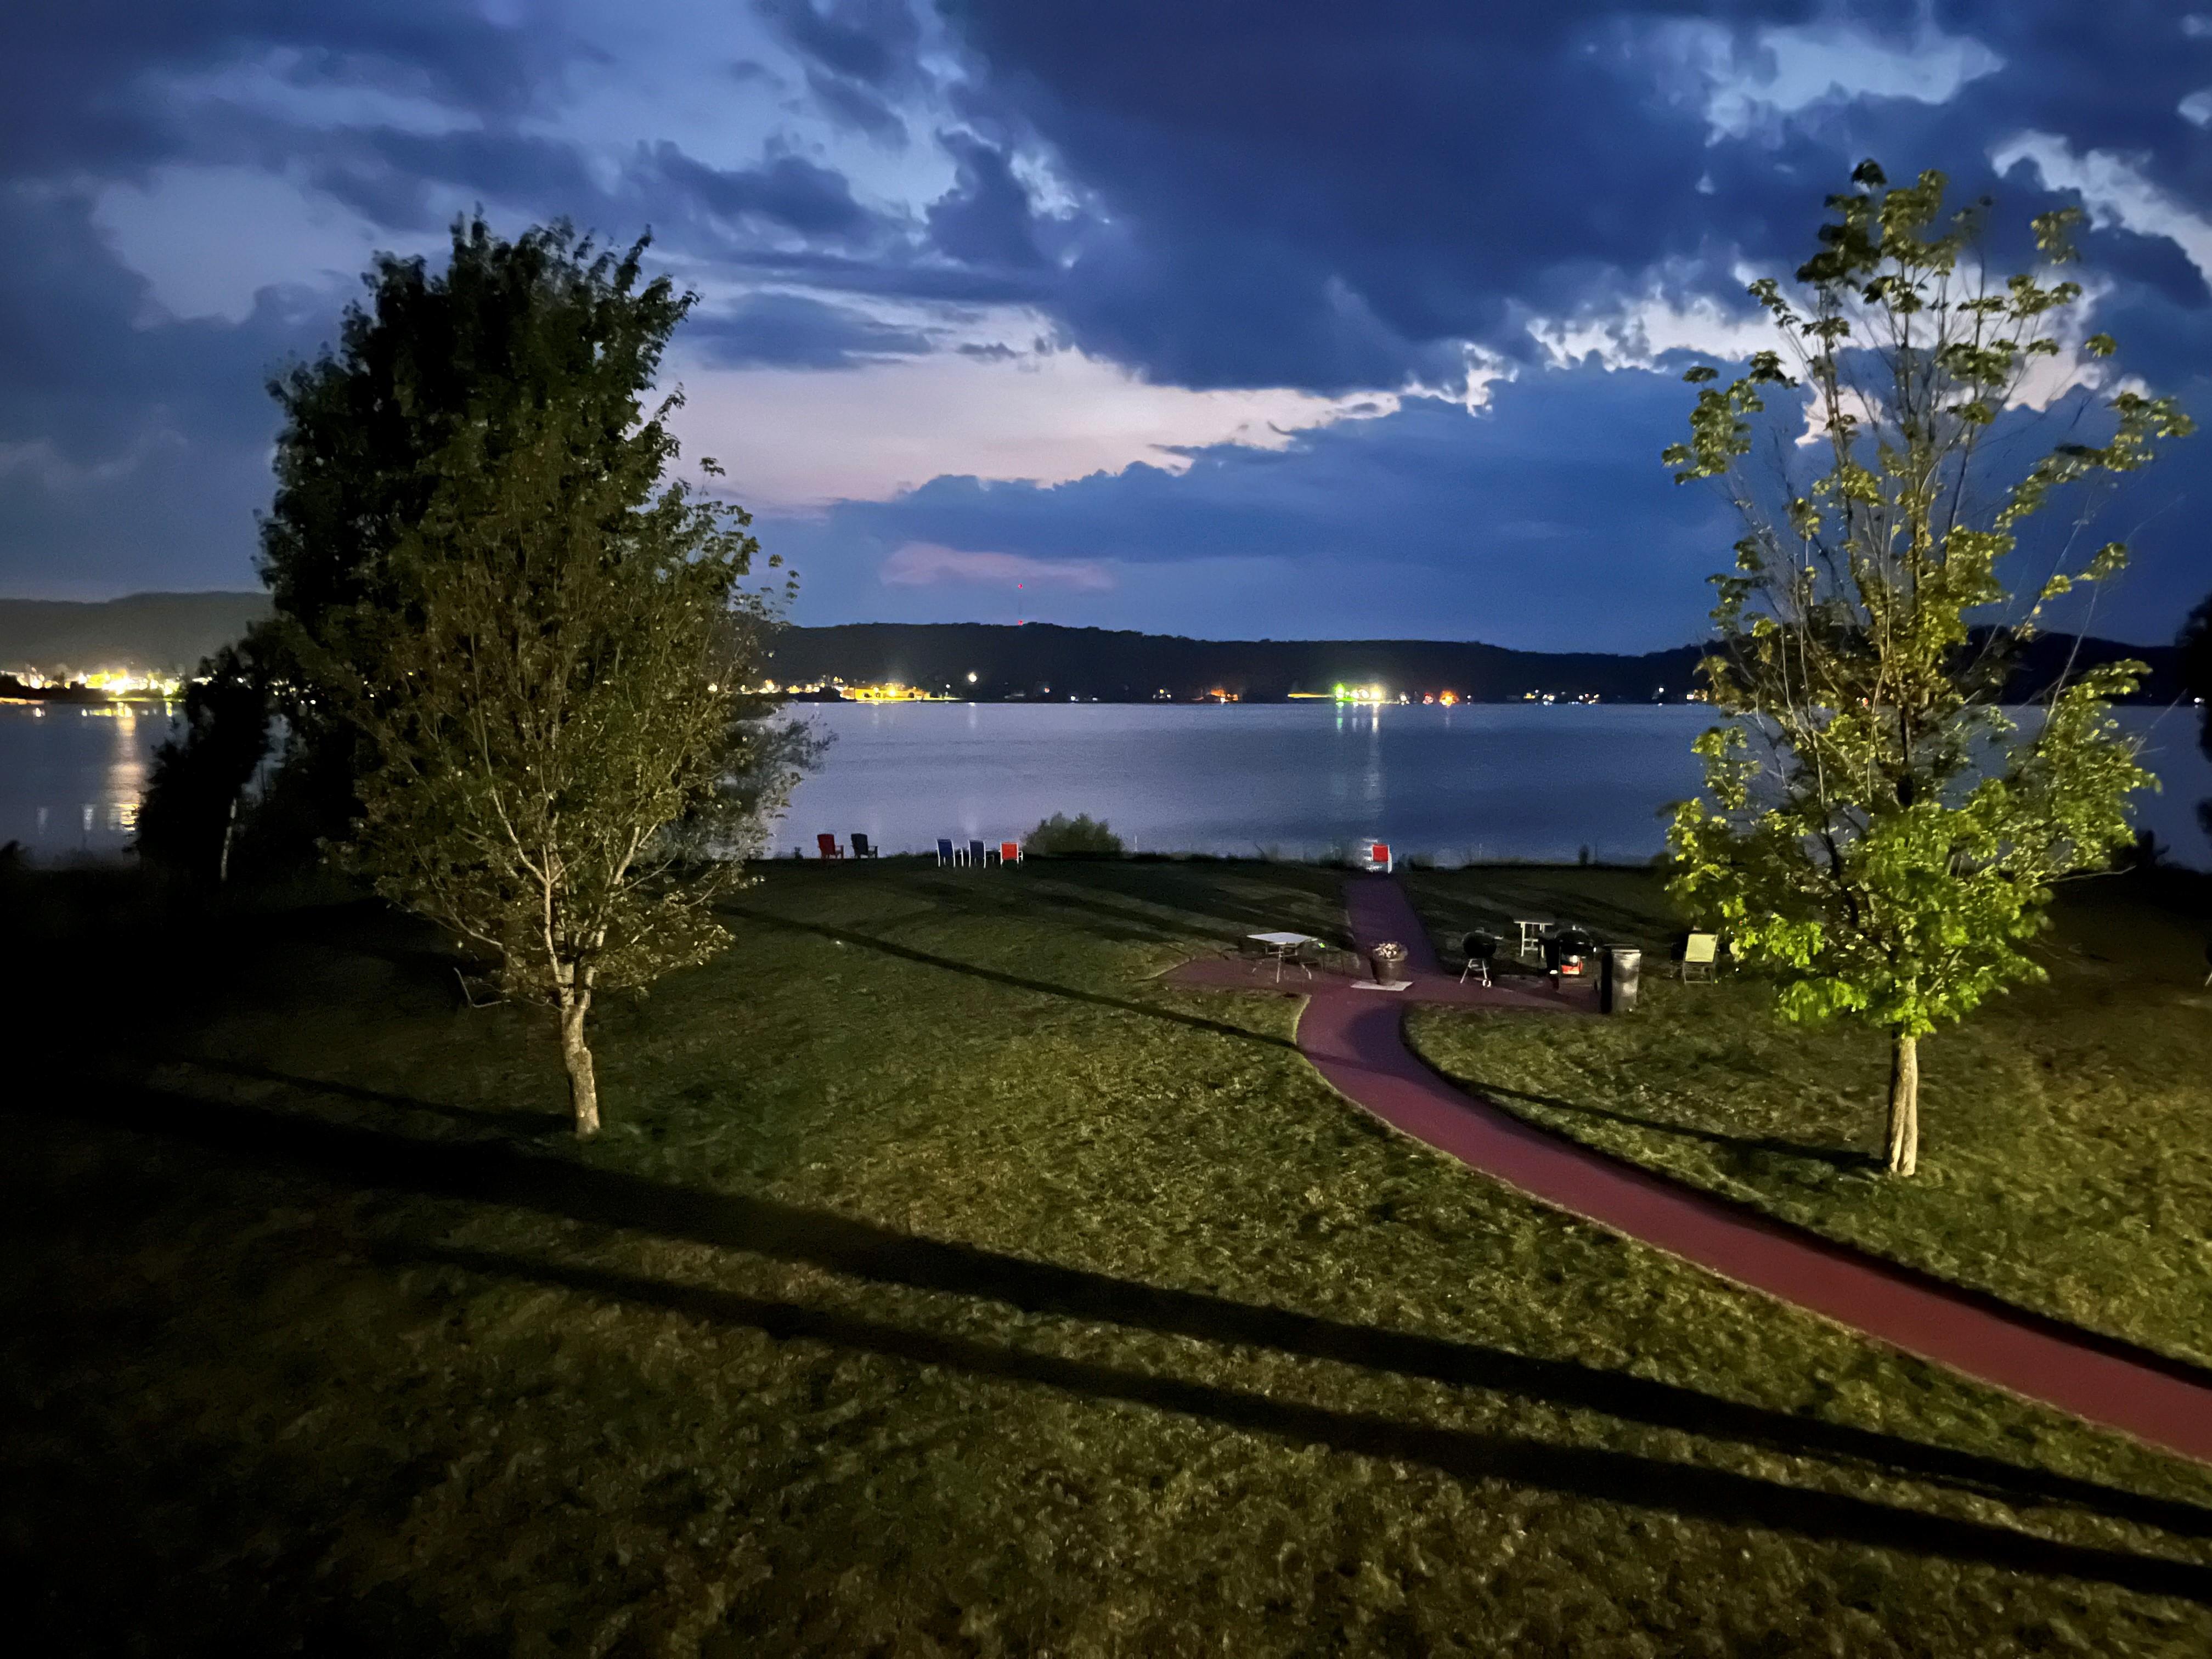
(828, 843)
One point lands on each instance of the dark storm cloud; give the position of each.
(891, 276)
(1408, 502)
(787, 190)
(390, 176)
(132, 454)
(1296, 196)
(853, 105)
(83, 373)
(986, 219)
(860, 53)
(1577, 449)
(1546, 520)
(873, 41)
(84, 80)
(789, 330)
(1292, 193)
(1306, 194)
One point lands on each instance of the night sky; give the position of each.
(1227, 319)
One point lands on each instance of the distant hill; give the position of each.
(172, 632)
(1042, 660)
(167, 633)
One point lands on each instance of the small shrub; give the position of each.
(1082, 837)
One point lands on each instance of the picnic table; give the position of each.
(1533, 930)
(1282, 948)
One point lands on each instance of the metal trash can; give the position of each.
(1616, 988)
(1386, 960)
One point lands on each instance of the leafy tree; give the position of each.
(1880, 833)
(528, 649)
(549, 688)
(504, 329)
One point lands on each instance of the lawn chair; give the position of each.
(1700, 956)
(828, 844)
(1479, 949)
(864, 849)
(1375, 856)
(1010, 852)
(978, 854)
(945, 852)
(1532, 936)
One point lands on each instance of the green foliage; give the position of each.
(545, 651)
(504, 330)
(199, 779)
(1080, 837)
(1879, 833)
(547, 689)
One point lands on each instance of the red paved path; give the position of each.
(1357, 1040)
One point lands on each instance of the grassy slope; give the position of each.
(941, 1287)
(2065, 1163)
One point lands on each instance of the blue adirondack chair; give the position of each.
(945, 853)
(978, 854)
(863, 848)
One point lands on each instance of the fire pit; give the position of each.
(1566, 949)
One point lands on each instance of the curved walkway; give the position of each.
(1357, 1040)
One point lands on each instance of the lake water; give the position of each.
(1488, 780)
(69, 777)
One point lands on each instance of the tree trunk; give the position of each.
(583, 1086)
(1903, 1102)
(222, 865)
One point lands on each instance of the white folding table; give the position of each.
(1282, 947)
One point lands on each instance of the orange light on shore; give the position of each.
(1448, 698)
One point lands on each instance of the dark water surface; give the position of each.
(1486, 781)
(69, 777)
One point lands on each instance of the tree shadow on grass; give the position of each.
(499, 1173)
(1017, 981)
(1840, 1158)
(527, 1123)
(1685, 1490)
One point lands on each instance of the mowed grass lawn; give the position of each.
(940, 1286)
(2066, 1129)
